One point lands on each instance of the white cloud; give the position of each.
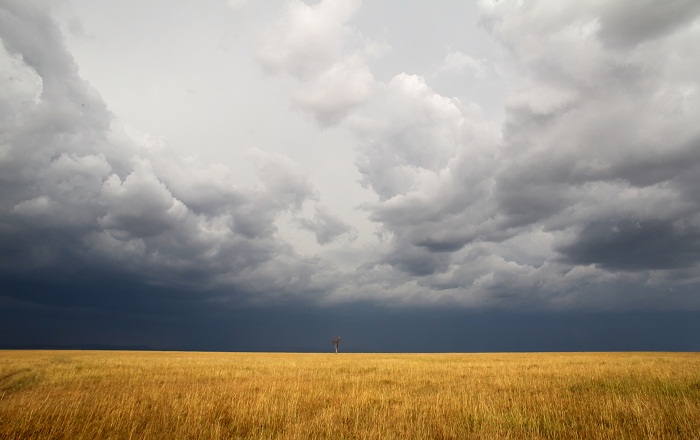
(307, 40)
(324, 55)
(237, 4)
(344, 86)
(419, 137)
(458, 62)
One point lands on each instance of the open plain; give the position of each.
(178, 395)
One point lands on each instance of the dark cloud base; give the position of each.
(634, 245)
(134, 317)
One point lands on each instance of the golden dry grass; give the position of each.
(92, 395)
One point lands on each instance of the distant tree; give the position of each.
(336, 342)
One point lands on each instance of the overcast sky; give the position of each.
(453, 175)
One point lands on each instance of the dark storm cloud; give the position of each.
(591, 173)
(679, 166)
(415, 260)
(588, 184)
(530, 193)
(363, 328)
(583, 198)
(635, 245)
(78, 191)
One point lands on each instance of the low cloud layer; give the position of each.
(584, 195)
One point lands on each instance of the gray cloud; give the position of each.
(309, 43)
(326, 226)
(594, 141)
(635, 245)
(606, 147)
(418, 132)
(77, 190)
(625, 24)
(584, 196)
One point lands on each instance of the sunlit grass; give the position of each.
(92, 394)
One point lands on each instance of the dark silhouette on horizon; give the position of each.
(336, 342)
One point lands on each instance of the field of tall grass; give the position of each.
(177, 395)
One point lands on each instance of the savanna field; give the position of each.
(186, 395)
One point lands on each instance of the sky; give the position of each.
(488, 175)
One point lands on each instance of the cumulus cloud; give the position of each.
(326, 57)
(326, 226)
(417, 135)
(595, 131)
(588, 160)
(307, 39)
(79, 191)
(458, 62)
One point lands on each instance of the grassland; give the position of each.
(173, 395)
